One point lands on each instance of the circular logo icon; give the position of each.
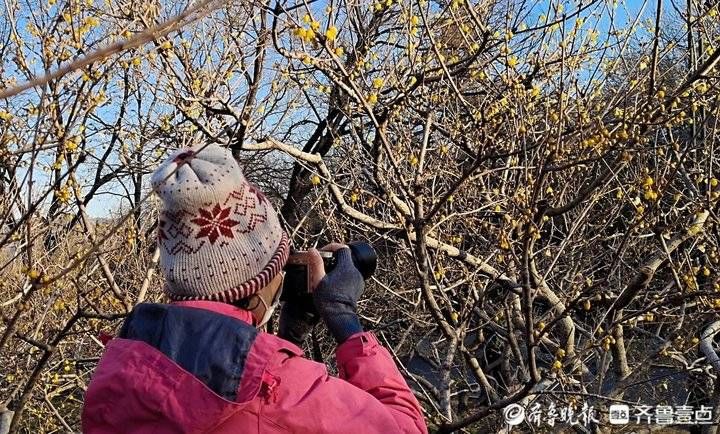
(514, 414)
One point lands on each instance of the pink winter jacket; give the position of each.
(201, 367)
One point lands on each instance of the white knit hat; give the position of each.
(219, 237)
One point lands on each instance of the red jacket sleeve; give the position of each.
(370, 397)
(367, 365)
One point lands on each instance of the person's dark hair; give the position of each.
(244, 303)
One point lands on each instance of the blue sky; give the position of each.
(110, 198)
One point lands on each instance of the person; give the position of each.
(202, 364)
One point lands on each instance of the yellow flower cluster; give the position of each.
(650, 193)
(331, 33)
(98, 99)
(57, 165)
(71, 144)
(504, 242)
(309, 34)
(607, 341)
(87, 24)
(306, 35)
(63, 194)
(32, 274)
(689, 280)
(378, 6)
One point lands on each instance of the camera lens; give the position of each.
(364, 258)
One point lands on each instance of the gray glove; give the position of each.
(336, 297)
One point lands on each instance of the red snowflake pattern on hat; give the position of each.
(215, 223)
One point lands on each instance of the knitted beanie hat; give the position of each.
(219, 237)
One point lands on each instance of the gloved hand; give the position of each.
(336, 297)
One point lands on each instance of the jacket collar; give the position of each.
(219, 307)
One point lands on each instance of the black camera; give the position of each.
(296, 286)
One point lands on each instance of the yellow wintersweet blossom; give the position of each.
(512, 61)
(315, 180)
(32, 29)
(478, 74)
(91, 22)
(339, 51)
(378, 83)
(504, 243)
(71, 144)
(331, 33)
(196, 85)
(373, 98)
(306, 35)
(593, 36)
(63, 194)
